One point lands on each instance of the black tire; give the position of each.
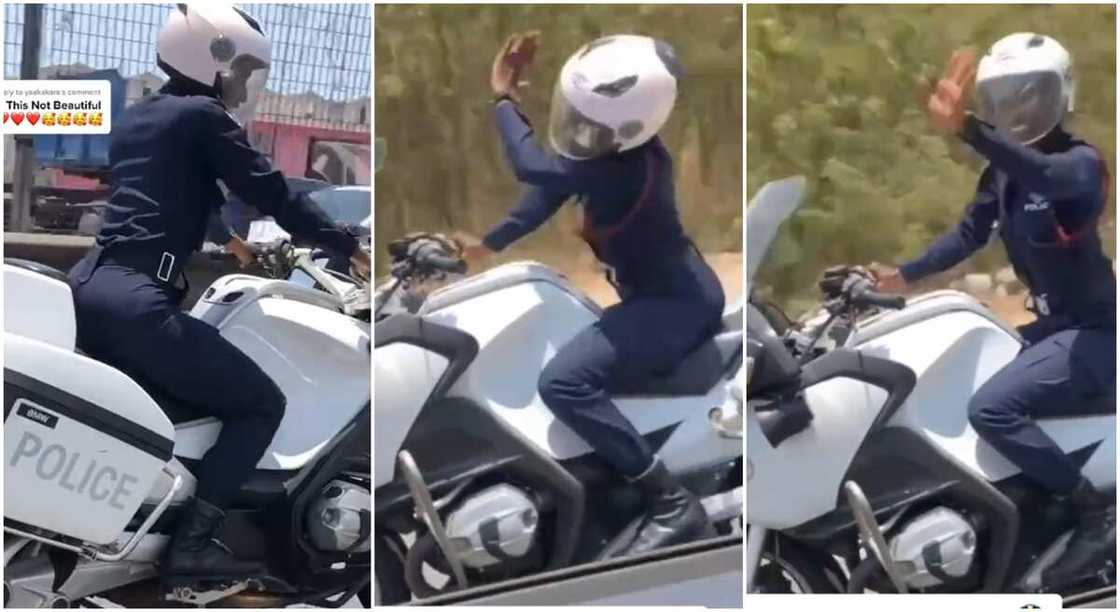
(809, 571)
(365, 596)
(388, 571)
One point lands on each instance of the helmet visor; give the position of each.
(1027, 105)
(242, 86)
(573, 134)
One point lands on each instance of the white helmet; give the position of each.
(1024, 85)
(219, 46)
(613, 94)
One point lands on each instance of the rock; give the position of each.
(978, 284)
(1006, 276)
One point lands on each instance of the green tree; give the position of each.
(837, 93)
(445, 169)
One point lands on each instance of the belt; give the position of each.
(162, 266)
(1067, 313)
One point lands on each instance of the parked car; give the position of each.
(350, 205)
(238, 215)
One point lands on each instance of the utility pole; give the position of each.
(24, 166)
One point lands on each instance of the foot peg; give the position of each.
(201, 595)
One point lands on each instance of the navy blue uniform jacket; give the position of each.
(167, 154)
(630, 211)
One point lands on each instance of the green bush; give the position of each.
(445, 169)
(837, 93)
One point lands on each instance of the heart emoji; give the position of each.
(6, 117)
(17, 118)
(33, 118)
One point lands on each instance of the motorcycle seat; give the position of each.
(1100, 405)
(38, 268)
(1095, 405)
(696, 374)
(177, 412)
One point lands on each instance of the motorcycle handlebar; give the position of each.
(276, 258)
(432, 257)
(870, 297)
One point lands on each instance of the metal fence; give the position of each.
(320, 63)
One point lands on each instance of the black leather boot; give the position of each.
(673, 516)
(194, 555)
(1093, 540)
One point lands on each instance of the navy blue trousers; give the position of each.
(643, 335)
(1046, 380)
(132, 322)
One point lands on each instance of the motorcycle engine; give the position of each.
(497, 525)
(341, 518)
(937, 547)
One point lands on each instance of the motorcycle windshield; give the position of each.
(766, 212)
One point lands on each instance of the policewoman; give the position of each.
(1042, 193)
(610, 100)
(167, 152)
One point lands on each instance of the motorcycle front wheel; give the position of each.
(389, 587)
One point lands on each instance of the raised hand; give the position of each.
(512, 61)
(946, 106)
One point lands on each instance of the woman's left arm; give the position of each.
(535, 207)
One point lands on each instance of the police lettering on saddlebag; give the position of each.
(90, 469)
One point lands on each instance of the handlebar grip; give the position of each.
(882, 300)
(432, 257)
(446, 264)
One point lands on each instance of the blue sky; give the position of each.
(322, 48)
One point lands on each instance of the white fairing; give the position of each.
(83, 471)
(521, 314)
(318, 358)
(86, 484)
(800, 479)
(954, 354)
(405, 375)
(38, 307)
(953, 349)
